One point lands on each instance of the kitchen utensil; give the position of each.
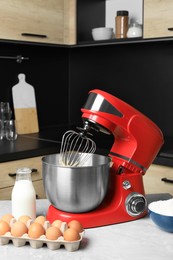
(10, 130)
(1, 129)
(137, 140)
(102, 33)
(25, 109)
(5, 111)
(76, 189)
(161, 213)
(5, 118)
(76, 148)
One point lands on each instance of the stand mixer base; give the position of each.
(99, 217)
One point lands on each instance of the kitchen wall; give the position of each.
(46, 70)
(139, 73)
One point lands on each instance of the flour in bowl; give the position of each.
(163, 207)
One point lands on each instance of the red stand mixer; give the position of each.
(137, 141)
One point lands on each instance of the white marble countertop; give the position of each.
(135, 240)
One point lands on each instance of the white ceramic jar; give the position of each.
(135, 30)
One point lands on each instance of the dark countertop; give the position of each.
(30, 145)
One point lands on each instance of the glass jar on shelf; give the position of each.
(134, 30)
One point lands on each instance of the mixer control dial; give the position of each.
(135, 204)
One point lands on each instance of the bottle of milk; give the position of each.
(23, 195)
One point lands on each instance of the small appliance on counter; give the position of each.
(105, 189)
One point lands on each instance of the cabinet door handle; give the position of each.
(167, 180)
(34, 35)
(14, 174)
(170, 29)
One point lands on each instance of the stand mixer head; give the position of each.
(137, 140)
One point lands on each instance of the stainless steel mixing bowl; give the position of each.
(76, 189)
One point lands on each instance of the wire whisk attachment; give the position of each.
(76, 149)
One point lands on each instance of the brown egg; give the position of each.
(57, 223)
(36, 230)
(4, 227)
(24, 219)
(53, 233)
(76, 225)
(18, 229)
(7, 218)
(71, 234)
(40, 220)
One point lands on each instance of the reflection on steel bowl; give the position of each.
(76, 189)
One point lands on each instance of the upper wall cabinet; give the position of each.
(52, 21)
(158, 18)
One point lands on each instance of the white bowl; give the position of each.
(102, 33)
(161, 213)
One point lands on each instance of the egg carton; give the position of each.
(42, 240)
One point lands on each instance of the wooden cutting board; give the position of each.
(25, 109)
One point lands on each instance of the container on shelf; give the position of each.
(121, 24)
(102, 33)
(135, 30)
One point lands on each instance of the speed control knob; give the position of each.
(135, 204)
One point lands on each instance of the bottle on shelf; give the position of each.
(121, 24)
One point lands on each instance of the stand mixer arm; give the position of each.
(137, 139)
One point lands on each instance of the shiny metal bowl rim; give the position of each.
(73, 167)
